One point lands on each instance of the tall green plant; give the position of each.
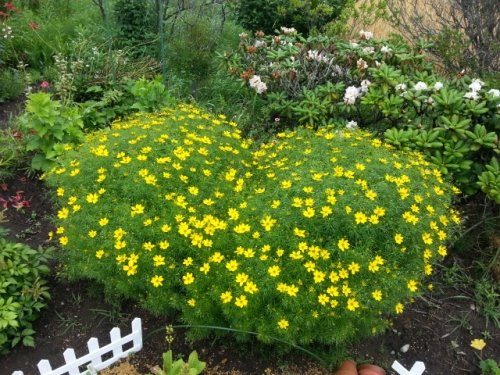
(48, 126)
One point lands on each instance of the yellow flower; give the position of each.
(242, 228)
(92, 233)
(241, 301)
(166, 228)
(323, 299)
(60, 192)
(299, 232)
(226, 297)
(63, 213)
(232, 265)
(158, 260)
(188, 261)
(360, 218)
(92, 198)
(477, 344)
(136, 210)
(241, 278)
(268, 222)
(343, 244)
(283, 324)
(326, 211)
(412, 285)
(352, 304)
(318, 277)
(354, 268)
(398, 238)
(377, 295)
(308, 212)
(157, 281)
(274, 271)
(63, 241)
(251, 287)
(286, 184)
(103, 221)
(188, 278)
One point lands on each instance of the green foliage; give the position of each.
(304, 15)
(170, 367)
(384, 86)
(11, 85)
(41, 32)
(12, 152)
(489, 367)
(313, 237)
(48, 126)
(23, 292)
(149, 95)
(136, 23)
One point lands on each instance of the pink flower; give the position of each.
(44, 85)
(4, 186)
(3, 14)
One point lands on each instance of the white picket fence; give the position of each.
(93, 360)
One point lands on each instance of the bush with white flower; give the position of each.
(382, 85)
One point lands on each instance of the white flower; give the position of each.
(256, 83)
(351, 94)
(288, 30)
(364, 85)
(429, 101)
(351, 125)
(476, 85)
(316, 56)
(420, 86)
(377, 64)
(438, 86)
(354, 45)
(243, 35)
(361, 64)
(473, 95)
(365, 35)
(368, 50)
(400, 87)
(259, 43)
(385, 50)
(494, 92)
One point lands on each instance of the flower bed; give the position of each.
(313, 237)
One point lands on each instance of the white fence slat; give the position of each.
(115, 336)
(44, 367)
(93, 346)
(93, 359)
(70, 357)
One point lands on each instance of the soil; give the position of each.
(437, 329)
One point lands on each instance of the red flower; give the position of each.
(3, 14)
(34, 25)
(10, 6)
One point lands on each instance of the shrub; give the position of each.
(48, 125)
(314, 237)
(383, 86)
(23, 292)
(12, 152)
(305, 16)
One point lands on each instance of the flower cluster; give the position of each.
(311, 237)
(256, 83)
